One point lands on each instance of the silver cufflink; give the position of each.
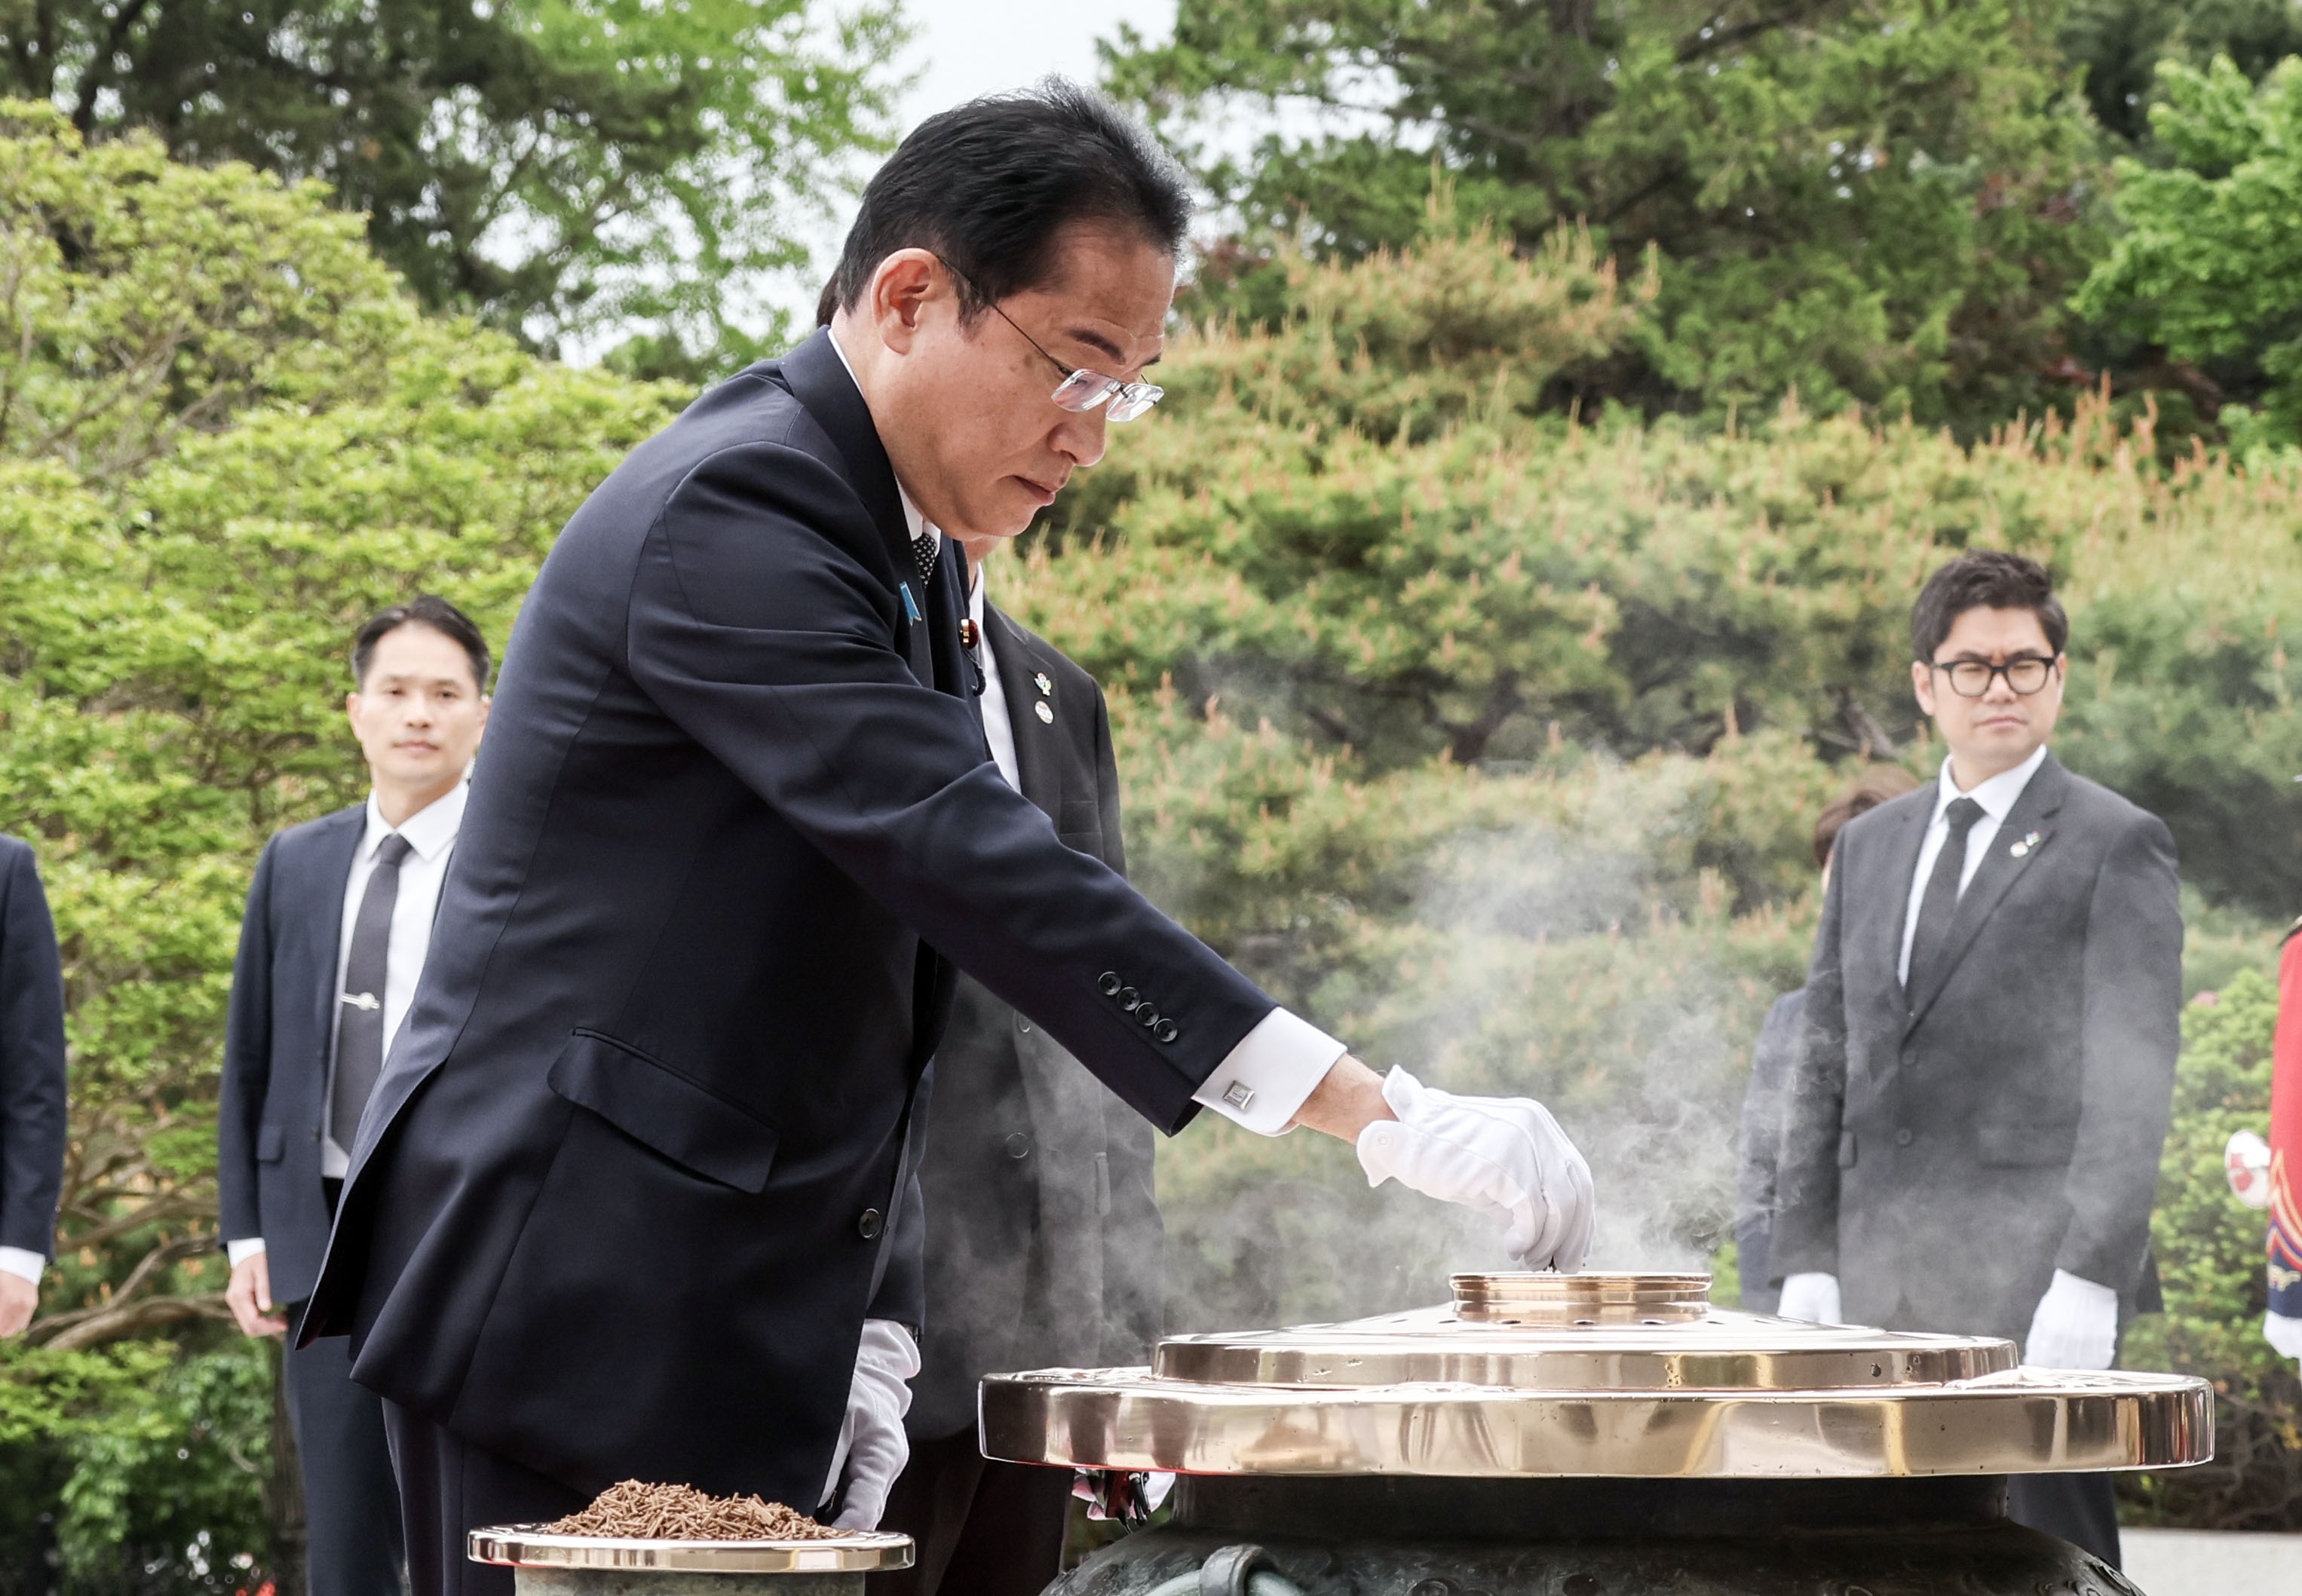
(1238, 1095)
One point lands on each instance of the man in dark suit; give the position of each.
(636, 1194)
(1973, 1136)
(31, 1085)
(1760, 1141)
(338, 919)
(1044, 1245)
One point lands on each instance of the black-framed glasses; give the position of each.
(2026, 674)
(1081, 389)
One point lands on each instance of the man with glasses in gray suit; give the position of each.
(1972, 1139)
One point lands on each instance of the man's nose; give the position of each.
(1080, 438)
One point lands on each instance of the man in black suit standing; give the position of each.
(32, 1109)
(636, 1195)
(1975, 1119)
(339, 921)
(1044, 1244)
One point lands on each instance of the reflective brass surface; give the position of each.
(526, 1546)
(1596, 1376)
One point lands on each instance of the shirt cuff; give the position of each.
(22, 1263)
(1268, 1076)
(239, 1252)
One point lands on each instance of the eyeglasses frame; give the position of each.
(1114, 390)
(1949, 668)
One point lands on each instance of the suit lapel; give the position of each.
(1996, 876)
(323, 912)
(819, 380)
(1036, 750)
(1902, 856)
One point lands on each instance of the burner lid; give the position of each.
(1595, 1374)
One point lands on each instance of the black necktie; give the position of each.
(924, 553)
(359, 1024)
(1940, 906)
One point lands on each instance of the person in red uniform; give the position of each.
(2282, 1325)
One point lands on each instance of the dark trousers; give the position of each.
(983, 1528)
(351, 1506)
(449, 1488)
(2080, 1508)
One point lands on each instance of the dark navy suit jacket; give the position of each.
(278, 1037)
(621, 1200)
(31, 1056)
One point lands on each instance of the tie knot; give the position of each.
(1962, 815)
(391, 850)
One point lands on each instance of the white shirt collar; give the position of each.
(1998, 795)
(914, 523)
(430, 831)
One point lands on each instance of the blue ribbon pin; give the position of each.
(911, 605)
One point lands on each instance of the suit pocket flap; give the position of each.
(271, 1144)
(661, 1109)
(2023, 1144)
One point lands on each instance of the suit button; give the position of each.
(1147, 1017)
(1904, 1138)
(1018, 1146)
(1109, 983)
(1130, 999)
(868, 1226)
(1165, 1030)
(1022, 1025)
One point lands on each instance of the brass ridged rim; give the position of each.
(1530, 1297)
(526, 1546)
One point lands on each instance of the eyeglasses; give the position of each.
(1970, 679)
(1081, 389)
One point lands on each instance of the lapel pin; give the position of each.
(2023, 847)
(1047, 711)
(1040, 680)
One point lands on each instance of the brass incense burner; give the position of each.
(1595, 1435)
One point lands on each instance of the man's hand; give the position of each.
(249, 1297)
(2283, 1334)
(18, 1297)
(1813, 1297)
(872, 1446)
(2076, 1326)
(1505, 1156)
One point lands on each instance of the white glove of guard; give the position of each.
(2076, 1326)
(1813, 1297)
(1505, 1156)
(2283, 1334)
(872, 1446)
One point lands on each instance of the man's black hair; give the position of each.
(990, 187)
(1986, 579)
(424, 610)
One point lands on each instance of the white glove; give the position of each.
(1813, 1297)
(2283, 1334)
(2076, 1326)
(1503, 1155)
(872, 1446)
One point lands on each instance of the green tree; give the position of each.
(1880, 201)
(2118, 43)
(2210, 264)
(554, 169)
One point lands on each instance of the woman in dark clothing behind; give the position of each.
(1770, 1063)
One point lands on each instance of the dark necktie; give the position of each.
(1939, 907)
(923, 554)
(359, 1023)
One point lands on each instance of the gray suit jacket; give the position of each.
(1044, 1244)
(1946, 1150)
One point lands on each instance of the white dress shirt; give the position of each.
(431, 833)
(1996, 797)
(998, 730)
(1278, 1064)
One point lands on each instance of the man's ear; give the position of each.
(1922, 685)
(904, 284)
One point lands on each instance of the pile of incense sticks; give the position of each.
(641, 1512)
